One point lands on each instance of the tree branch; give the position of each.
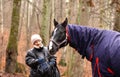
(35, 6)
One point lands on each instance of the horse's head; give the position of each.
(58, 37)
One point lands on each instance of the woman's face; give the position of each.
(38, 43)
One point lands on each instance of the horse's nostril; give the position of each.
(51, 52)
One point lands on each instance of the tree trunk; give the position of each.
(84, 14)
(11, 51)
(1, 37)
(28, 25)
(117, 17)
(44, 32)
(117, 22)
(1, 21)
(73, 59)
(52, 13)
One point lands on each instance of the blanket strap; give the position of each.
(97, 68)
(97, 62)
(91, 56)
(110, 71)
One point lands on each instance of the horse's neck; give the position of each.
(78, 38)
(81, 35)
(74, 33)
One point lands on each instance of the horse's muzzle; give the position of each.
(52, 49)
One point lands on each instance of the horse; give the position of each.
(100, 47)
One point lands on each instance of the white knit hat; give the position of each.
(35, 37)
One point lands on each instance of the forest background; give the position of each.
(19, 19)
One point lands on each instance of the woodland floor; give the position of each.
(61, 68)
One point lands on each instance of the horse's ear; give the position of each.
(64, 24)
(55, 23)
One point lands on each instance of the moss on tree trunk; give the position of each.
(11, 51)
(44, 31)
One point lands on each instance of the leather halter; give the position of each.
(59, 44)
(66, 40)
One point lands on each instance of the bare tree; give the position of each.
(28, 26)
(11, 51)
(44, 31)
(1, 22)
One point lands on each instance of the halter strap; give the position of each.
(58, 44)
(66, 40)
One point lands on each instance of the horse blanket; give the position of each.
(101, 47)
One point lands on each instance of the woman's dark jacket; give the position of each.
(31, 60)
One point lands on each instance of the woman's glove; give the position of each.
(43, 66)
(52, 61)
(41, 60)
